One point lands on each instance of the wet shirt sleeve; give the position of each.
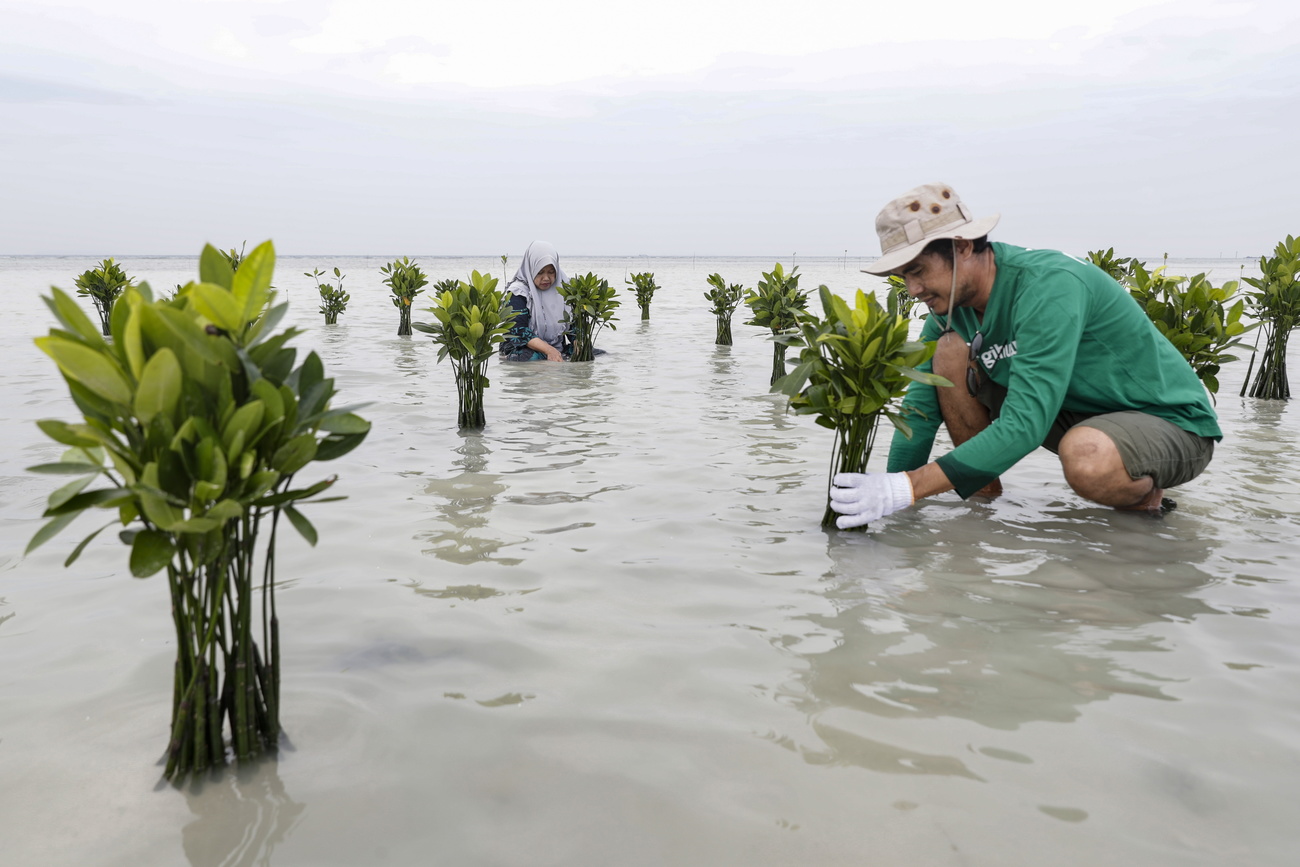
(1047, 327)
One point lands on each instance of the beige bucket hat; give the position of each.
(918, 217)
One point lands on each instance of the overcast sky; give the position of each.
(756, 127)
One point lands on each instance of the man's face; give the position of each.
(929, 280)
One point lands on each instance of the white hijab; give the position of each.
(546, 308)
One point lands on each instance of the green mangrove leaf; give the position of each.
(160, 386)
(218, 305)
(94, 370)
(301, 524)
(215, 268)
(51, 529)
(150, 552)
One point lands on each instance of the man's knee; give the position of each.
(951, 356)
(1091, 461)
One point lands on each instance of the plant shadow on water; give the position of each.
(242, 815)
(1000, 623)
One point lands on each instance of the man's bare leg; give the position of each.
(963, 415)
(1095, 470)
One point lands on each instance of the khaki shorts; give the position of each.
(1148, 445)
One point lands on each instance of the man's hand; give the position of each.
(865, 497)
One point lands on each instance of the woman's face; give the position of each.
(545, 278)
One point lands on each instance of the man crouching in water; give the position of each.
(1042, 349)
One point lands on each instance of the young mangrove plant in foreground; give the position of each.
(1193, 315)
(333, 300)
(197, 420)
(472, 319)
(854, 364)
(591, 307)
(777, 304)
(725, 299)
(103, 286)
(644, 286)
(1275, 303)
(406, 280)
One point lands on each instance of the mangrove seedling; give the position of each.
(591, 307)
(854, 364)
(103, 286)
(776, 305)
(234, 258)
(1118, 269)
(505, 273)
(725, 299)
(644, 287)
(1193, 315)
(903, 298)
(1275, 304)
(472, 318)
(197, 420)
(406, 280)
(333, 300)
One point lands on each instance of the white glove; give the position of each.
(865, 497)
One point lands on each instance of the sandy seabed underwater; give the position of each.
(608, 629)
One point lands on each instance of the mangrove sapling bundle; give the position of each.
(472, 319)
(1193, 315)
(644, 286)
(103, 286)
(776, 305)
(1275, 303)
(198, 420)
(725, 299)
(591, 307)
(333, 300)
(854, 364)
(234, 258)
(406, 280)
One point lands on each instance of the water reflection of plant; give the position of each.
(405, 280)
(199, 420)
(472, 319)
(854, 363)
(644, 286)
(103, 285)
(725, 299)
(776, 305)
(592, 303)
(333, 300)
(1276, 304)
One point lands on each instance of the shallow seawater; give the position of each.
(609, 630)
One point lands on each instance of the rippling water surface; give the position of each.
(608, 630)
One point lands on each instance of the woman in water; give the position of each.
(539, 331)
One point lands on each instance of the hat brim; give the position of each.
(900, 257)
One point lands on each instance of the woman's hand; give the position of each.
(547, 350)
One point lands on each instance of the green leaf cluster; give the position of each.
(1198, 318)
(103, 285)
(644, 287)
(1275, 303)
(776, 304)
(592, 303)
(1119, 269)
(333, 300)
(777, 301)
(405, 280)
(196, 419)
(234, 258)
(472, 318)
(854, 364)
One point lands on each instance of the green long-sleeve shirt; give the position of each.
(1059, 334)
